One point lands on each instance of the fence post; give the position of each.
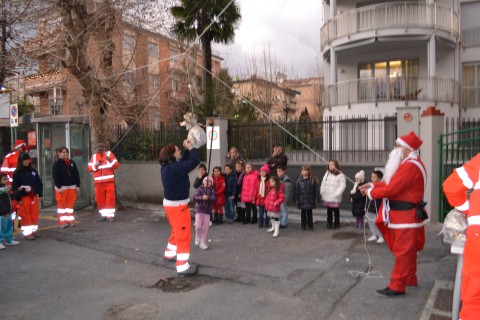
(330, 138)
(431, 130)
(271, 134)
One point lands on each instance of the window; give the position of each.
(128, 42)
(388, 80)
(153, 50)
(471, 85)
(153, 81)
(55, 107)
(175, 85)
(130, 77)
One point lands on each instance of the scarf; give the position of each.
(261, 190)
(67, 163)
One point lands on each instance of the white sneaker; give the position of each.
(210, 224)
(372, 238)
(2, 246)
(203, 246)
(380, 240)
(197, 241)
(13, 243)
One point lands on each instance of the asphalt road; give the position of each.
(100, 270)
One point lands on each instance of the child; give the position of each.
(275, 197)
(202, 173)
(358, 200)
(204, 199)
(306, 196)
(372, 209)
(6, 224)
(250, 181)
(332, 188)
(239, 175)
(263, 187)
(230, 189)
(282, 174)
(32, 193)
(219, 186)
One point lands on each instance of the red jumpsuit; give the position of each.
(455, 188)
(104, 180)
(404, 234)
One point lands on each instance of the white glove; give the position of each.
(27, 188)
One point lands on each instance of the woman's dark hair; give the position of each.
(228, 165)
(335, 172)
(277, 182)
(219, 169)
(378, 173)
(167, 154)
(24, 156)
(202, 166)
(310, 173)
(63, 148)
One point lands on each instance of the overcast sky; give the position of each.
(290, 27)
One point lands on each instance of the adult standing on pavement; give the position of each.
(462, 189)
(232, 157)
(103, 165)
(399, 221)
(67, 184)
(175, 168)
(278, 159)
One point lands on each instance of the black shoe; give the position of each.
(283, 226)
(260, 224)
(304, 228)
(102, 219)
(253, 222)
(245, 221)
(190, 272)
(310, 228)
(329, 226)
(170, 259)
(388, 293)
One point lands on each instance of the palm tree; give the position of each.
(192, 18)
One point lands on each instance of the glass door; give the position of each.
(45, 158)
(79, 152)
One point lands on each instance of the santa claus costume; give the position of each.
(462, 189)
(402, 192)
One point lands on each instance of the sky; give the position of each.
(291, 28)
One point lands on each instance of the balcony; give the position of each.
(403, 16)
(429, 89)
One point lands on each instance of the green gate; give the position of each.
(456, 148)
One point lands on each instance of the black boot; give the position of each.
(220, 218)
(240, 214)
(247, 216)
(254, 214)
(215, 218)
(260, 223)
(329, 218)
(336, 222)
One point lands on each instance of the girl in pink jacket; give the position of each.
(249, 187)
(275, 197)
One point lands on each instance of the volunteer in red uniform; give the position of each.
(462, 189)
(103, 165)
(401, 216)
(67, 184)
(176, 183)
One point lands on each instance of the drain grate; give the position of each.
(444, 300)
(176, 284)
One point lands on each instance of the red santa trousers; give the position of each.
(470, 292)
(179, 241)
(28, 210)
(65, 203)
(105, 198)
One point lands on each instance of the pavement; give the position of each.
(101, 270)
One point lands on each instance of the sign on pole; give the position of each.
(213, 137)
(14, 115)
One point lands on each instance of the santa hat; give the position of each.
(19, 144)
(410, 141)
(265, 168)
(360, 175)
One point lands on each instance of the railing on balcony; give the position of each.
(471, 97)
(391, 89)
(471, 37)
(390, 15)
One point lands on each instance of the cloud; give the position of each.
(290, 28)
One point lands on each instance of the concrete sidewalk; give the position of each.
(116, 271)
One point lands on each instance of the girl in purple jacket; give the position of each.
(204, 199)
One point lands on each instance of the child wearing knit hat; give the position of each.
(358, 200)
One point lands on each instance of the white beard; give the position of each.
(394, 160)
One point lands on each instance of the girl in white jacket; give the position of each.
(331, 190)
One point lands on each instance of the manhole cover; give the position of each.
(176, 284)
(128, 311)
(444, 300)
(346, 235)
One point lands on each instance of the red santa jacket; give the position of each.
(219, 186)
(103, 169)
(260, 201)
(463, 179)
(249, 185)
(9, 164)
(275, 198)
(406, 185)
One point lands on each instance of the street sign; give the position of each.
(14, 115)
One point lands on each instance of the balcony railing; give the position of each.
(391, 89)
(471, 37)
(403, 15)
(471, 97)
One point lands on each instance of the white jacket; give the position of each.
(332, 187)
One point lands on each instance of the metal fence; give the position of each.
(458, 145)
(349, 140)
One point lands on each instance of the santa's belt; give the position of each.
(401, 205)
